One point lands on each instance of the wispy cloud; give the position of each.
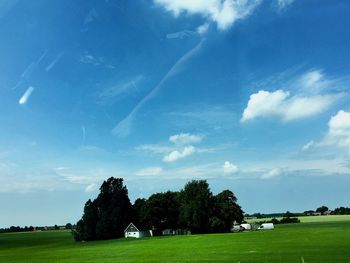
(283, 4)
(91, 16)
(119, 89)
(222, 12)
(275, 172)
(185, 138)
(91, 188)
(6, 6)
(122, 129)
(181, 34)
(54, 61)
(23, 100)
(154, 148)
(176, 155)
(308, 145)
(150, 171)
(88, 58)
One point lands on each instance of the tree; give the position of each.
(322, 209)
(68, 226)
(225, 212)
(196, 206)
(342, 211)
(162, 211)
(288, 214)
(140, 213)
(107, 216)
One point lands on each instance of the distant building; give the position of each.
(328, 212)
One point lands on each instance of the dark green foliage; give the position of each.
(13, 229)
(69, 226)
(163, 211)
(289, 220)
(107, 216)
(225, 211)
(284, 220)
(322, 209)
(342, 211)
(196, 206)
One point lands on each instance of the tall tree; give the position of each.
(196, 205)
(107, 216)
(225, 212)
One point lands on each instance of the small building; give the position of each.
(168, 232)
(328, 212)
(133, 231)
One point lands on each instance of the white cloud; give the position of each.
(185, 138)
(26, 95)
(339, 130)
(230, 168)
(176, 155)
(314, 93)
(272, 173)
(282, 105)
(202, 29)
(223, 12)
(150, 171)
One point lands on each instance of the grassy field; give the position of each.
(321, 241)
(311, 219)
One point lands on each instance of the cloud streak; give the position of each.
(54, 62)
(122, 129)
(23, 100)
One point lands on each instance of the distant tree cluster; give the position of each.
(342, 211)
(16, 229)
(194, 208)
(325, 210)
(287, 218)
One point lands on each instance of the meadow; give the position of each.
(324, 239)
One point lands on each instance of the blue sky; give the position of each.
(251, 95)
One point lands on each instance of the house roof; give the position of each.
(131, 228)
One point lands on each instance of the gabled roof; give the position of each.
(132, 227)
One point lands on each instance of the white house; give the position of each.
(133, 231)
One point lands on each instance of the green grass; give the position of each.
(322, 241)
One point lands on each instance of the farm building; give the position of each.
(133, 231)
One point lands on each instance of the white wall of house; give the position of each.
(132, 234)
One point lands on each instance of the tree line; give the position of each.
(194, 208)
